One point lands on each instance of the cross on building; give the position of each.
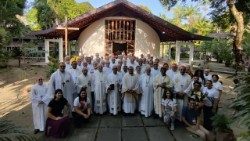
(66, 29)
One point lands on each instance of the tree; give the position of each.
(190, 19)
(57, 10)
(237, 8)
(145, 8)
(9, 23)
(10, 26)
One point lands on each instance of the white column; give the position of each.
(46, 44)
(191, 52)
(169, 51)
(177, 51)
(60, 42)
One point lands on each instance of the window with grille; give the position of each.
(120, 31)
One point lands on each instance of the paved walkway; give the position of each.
(126, 128)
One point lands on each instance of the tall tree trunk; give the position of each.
(238, 16)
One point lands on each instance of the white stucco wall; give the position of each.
(92, 39)
(146, 40)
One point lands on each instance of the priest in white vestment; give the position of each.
(107, 69)
(39, 107)
(147, 91)
(161, 83)
(67, 62)
(130, 87)
(84, 81)
(173, 71)
(74, 72)
(62, 79)
(181, 82)
(155, 70)
(100, 80)
(113, 87)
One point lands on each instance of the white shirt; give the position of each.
(208, 77)
(181, 82)
(211, 95)
(171, 74)
(77, 104)
(155, 72)
(217, 85)
(168, 102)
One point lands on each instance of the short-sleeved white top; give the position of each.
(211, 95)
(77, 104)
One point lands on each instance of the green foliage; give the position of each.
(246, 42)
(190, 19)
(9, 23)
(145, 8)
(220, 14)
(4, 57)
(56, 10)
(43, 12)
(10, 132)
(242, 102)
(53, 65)
(221, 123)
(32, 19)
(220, 49)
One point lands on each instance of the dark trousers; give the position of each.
(208, 114)
(93, 100)
(79, 120)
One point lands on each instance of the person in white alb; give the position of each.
(155, 70)
(113, 86)
(62, 79)
(173, 71)
(74, 72)
(84, 81)
(161, 83)
(181, 82)
(130, 88)
(147, 90)
(39, 107)
(100, 80)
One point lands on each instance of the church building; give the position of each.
(117, 27)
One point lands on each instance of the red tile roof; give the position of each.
(165, 30)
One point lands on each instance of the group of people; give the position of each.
(98, 85)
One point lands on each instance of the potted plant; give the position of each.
(222, 129)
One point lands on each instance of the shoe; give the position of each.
(172, 127)
(36, 131)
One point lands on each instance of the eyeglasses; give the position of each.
(62, 66)
(40, 79)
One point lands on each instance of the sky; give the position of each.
(154, 5)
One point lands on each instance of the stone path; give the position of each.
(126, 128)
